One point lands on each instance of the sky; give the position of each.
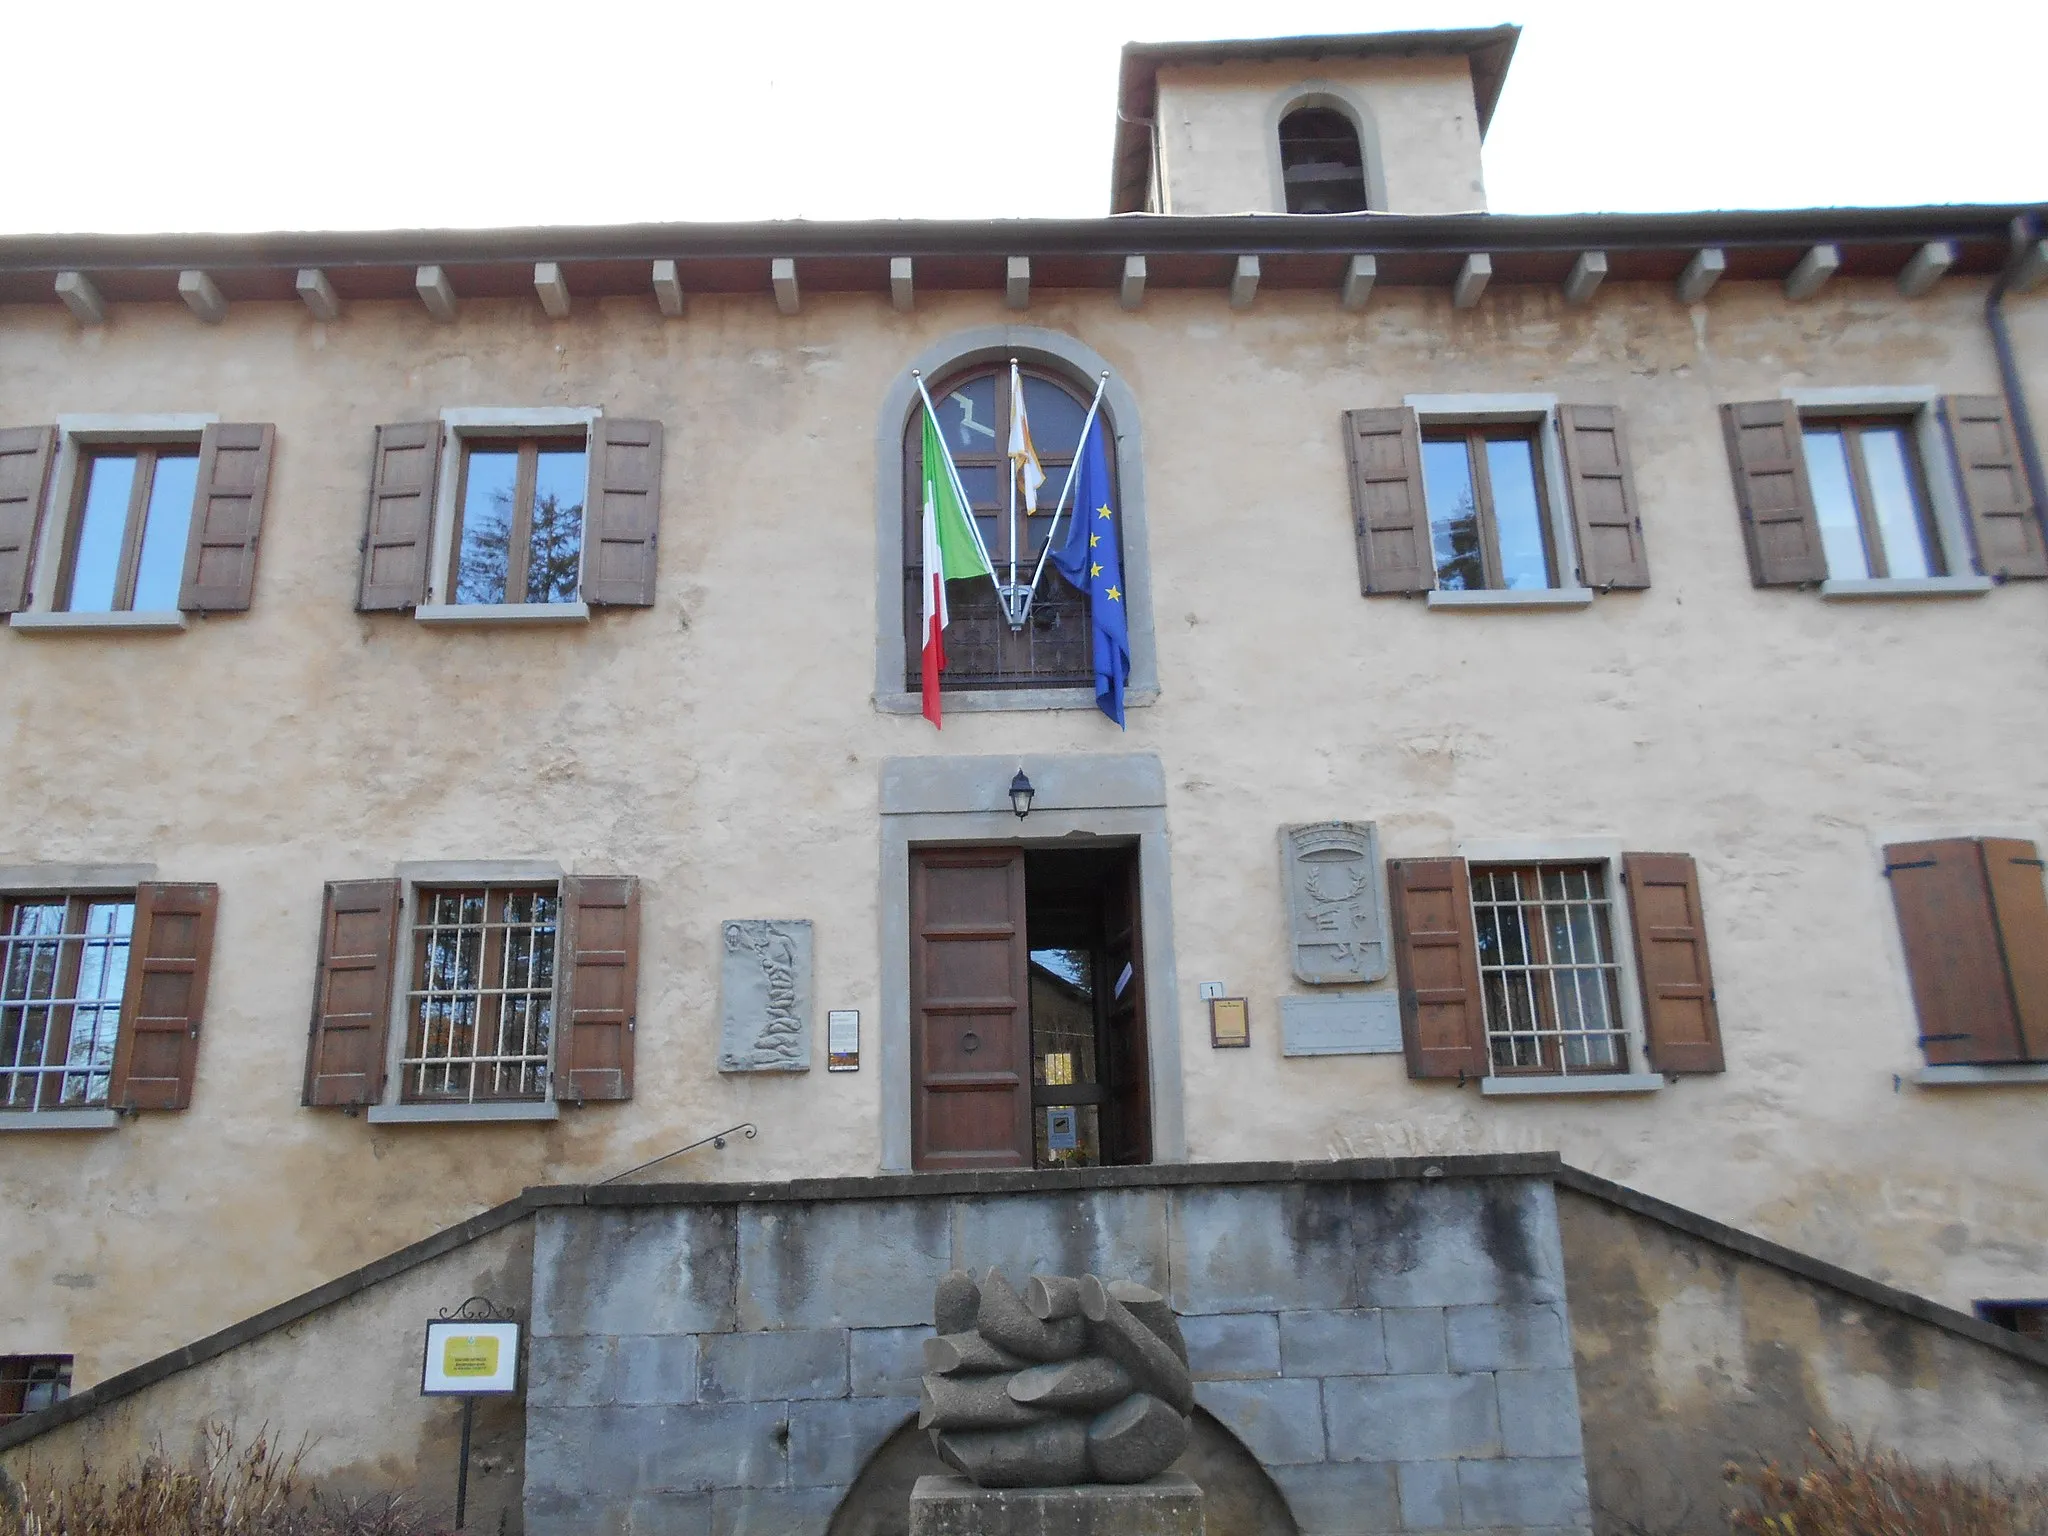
(210, 115)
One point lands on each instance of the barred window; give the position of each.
(31, 1383)
(61, 982)
(1548, 969)
(481, 1009)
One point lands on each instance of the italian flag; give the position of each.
(952, 549)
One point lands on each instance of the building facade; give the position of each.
(463, 733)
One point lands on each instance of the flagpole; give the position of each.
(1073, 468)
(959, 490)
(1009, 592)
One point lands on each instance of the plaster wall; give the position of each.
(724, 747)
(1218, 126)
(1690, 1357)
(344, 1385)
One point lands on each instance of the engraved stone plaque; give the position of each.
(765, 996)
(1359, 1024)
(1336, 922)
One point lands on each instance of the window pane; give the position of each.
(1890, 472)
(1517, 513)
(102, 528)
(1834, 500)
(557, 551)
(161, 570)
(968, 415)
(1453, 516)
(486, 525)
(1056, 418)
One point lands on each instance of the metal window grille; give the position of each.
(1548, 969)
(31, 1383)
(64, 968)
(481, 1009)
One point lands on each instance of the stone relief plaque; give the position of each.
(1357, 1024)
(764, 996)
(1336, 923)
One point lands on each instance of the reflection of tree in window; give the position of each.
(521, 536)
(1489, 525)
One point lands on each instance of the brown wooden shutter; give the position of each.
(1779, 525)
(1680, 1018)
(970, 1009)
(398, 536)
(624, 517)
(26, 454)
(1951, 905)
(1388, 511)
(165, 996)
(1603, 491)
(1436, 958)
(2019, 899)
(600, 987)
(2003, 517)
(227, 517)
(352, 993)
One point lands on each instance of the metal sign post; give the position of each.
(471, 1352)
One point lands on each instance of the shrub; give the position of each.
(1848, 1489)
(225, 1490)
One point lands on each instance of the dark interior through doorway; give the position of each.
(1089, 1077)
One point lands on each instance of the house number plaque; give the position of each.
(1336, 923)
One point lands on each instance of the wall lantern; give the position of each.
(1020, 795)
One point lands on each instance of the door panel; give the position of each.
(1127, 1133)
(969, 1009)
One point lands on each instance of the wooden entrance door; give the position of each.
(970, 1024)
(1127, 1128)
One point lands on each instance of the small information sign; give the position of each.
(468, 1358)
(1230, 1024)
(842, 1040)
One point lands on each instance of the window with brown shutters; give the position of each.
(504, 993)
(160, 524)
(1973, 920)
(1457, 497)
(566, 511)
(1054, 648)
(102, 996)
(1518, 969)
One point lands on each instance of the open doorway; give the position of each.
(1028, 1024)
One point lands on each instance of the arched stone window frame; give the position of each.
(1064, 354)
(1340, 99)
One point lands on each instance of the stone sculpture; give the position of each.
(765, 996)
(1076, 1381)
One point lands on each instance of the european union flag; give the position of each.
(1089, 558)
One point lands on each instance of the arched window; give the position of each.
(1054, 648)
(1320, 162)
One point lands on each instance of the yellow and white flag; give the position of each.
(1023, 456)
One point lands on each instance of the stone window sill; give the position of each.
(462, 1114)
(1571, 1087)
(979, 700)
(60, 1120)
(503, 613)
(1530, 597)
(1907, 586)
(73, 623)
(1983, 1077)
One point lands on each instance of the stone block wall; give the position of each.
(1395, 1353)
